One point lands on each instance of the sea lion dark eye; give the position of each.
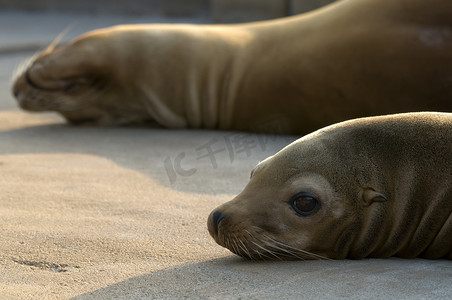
(304, 204)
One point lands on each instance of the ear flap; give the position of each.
(369, 196)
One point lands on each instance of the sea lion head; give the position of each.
(90, 80)
(56, 80)
(308, 201)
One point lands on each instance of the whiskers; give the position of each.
(57, 41)
(256, 245)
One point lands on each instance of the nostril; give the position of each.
(217, 217)
(16, 93)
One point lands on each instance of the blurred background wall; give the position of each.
(216, 11)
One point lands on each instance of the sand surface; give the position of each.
(120, 213)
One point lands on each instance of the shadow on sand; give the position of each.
(234, 278)
(173, 158)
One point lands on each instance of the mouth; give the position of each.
(251, 242)
(255, 244)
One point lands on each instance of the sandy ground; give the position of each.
(120, 213)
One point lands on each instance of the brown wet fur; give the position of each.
(384, 185)
(351, 59)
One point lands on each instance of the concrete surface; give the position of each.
(120, 213)
(234, 11)
(219, 11)
(168, 8)
(31, 32)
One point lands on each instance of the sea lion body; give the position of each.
(370, 187)
(293, 75)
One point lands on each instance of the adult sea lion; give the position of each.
(350, 59)
(369, 187)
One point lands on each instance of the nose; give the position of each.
(217, 217)
(214, 220)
